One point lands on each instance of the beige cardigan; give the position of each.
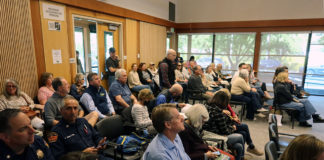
(239, 86)
(133, 79)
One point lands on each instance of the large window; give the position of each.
(314, 81)
(198, 45)
(231, 49)
(282, 49)
(291, 49)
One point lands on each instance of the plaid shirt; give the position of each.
(219, 122)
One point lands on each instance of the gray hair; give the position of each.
(78, 77)
(244, 73)
(15, 83)
(196, 115)
(66, 98)
(119, 72)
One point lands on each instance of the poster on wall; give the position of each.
(53, 12)
(54, 26)
(57, 56)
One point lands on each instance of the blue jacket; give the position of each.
(99, 98)
(72, 137)
(37, 151)
(164, 97)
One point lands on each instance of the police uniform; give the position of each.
(67, 137)
(37, 151)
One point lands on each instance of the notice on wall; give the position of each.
(53, 12)
(57, 56)
(72, 60)
(54, 26)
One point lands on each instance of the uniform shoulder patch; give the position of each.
(52, 137)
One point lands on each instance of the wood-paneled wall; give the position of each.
(152, 42)
(17, 55)
(131, 42)
(56, 40)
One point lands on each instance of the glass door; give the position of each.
(314, 80)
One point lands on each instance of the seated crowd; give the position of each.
(68, 115)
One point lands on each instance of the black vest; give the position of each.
(99, 98)
(171, 74)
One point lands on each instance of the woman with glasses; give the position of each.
(13, 97)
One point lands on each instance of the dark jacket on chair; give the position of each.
(194, 146)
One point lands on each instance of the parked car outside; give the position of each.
(205, 61)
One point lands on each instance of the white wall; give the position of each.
(244, 10)
(226, 10)
(156, 8)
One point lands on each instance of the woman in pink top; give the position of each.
(46, 89)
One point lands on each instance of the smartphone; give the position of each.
(103, 144)
(217, 153)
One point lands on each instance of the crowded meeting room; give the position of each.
(161, 80)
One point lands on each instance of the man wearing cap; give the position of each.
(112, 64)
(18, 139)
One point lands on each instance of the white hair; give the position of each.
(244, 73)
(196, 115)
(171, 51)
(119, 72)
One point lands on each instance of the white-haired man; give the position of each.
(119, 93)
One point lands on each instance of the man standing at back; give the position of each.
(96, 97)
(112, 64)
(166, 70)
(167, 145)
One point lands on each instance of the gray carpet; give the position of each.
(259, 127)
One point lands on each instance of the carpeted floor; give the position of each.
(259, 128)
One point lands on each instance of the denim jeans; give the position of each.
(140, 87)
(235, 142)
(252, 101)
(110, 80)
(243, 129)
(305, 108)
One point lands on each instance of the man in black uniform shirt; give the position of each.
(74, 134)
(17, 138)
(112, 64)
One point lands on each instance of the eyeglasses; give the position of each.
(11, 86)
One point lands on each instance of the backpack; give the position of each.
(128, 144)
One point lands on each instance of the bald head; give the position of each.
(176, 89)
(171, 54)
